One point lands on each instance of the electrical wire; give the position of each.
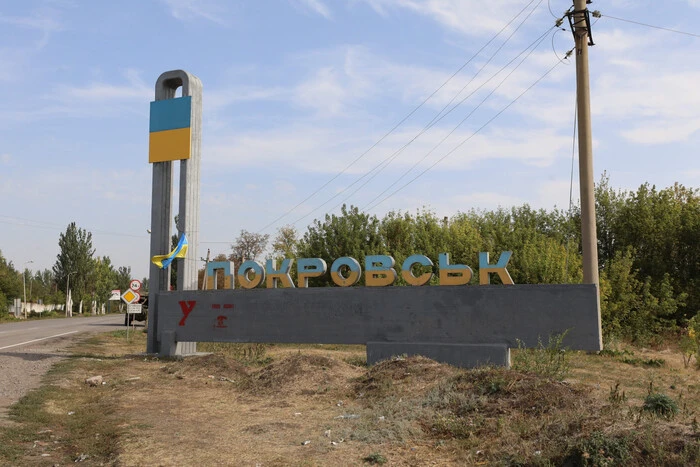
(555, 50)
(532, 47)
(571, 187)
(647, 25)
(573, 158)
(388, 133)
(49, 226)
(386, 162)
(383, 164)
(498, 114)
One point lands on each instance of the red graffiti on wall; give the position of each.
(186, 307)
(220, 322)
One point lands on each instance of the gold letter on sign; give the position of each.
(453, 274)
(499, 268)
(379, 270)
(351, 266)
(310, 267)
(254, 267)
(273, 275)
(407, 270)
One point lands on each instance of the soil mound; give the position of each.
(411, 375)
(302, 374)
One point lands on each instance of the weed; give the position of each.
(549, 361)
(689, 348)
(615, 353)
(600, 450)
(357, 360)
(616, 398)
(660, 405)
(651, 362)
(247, 354)
(374, 458)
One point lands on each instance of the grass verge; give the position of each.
(321, 405)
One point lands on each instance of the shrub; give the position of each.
(551, 361)
(660, 405)
(375, 458)
(600, 450)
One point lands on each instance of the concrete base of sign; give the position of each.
(462, 355)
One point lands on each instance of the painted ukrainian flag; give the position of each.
(170, 132)
(180, 251)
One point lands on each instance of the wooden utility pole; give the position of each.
(580, 21)
(206, 263)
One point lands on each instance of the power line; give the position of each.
(385, 163)
(531, 50)
(357, 159)
(468, 138)
(22, 222)
(598, 14)
(532, 47)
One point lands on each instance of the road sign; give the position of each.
(135, 285)
(115, 294)
(133, 308)
(130, 296)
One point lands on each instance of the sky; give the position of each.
(345, 100)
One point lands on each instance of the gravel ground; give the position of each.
(21, 368)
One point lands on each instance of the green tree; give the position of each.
(105, 279)
(353, 234)
(122, 278)
(609, 205)
(75, 258)
(248, 245)
(10, 283)
(285, 242)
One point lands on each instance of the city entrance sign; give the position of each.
(462, 325)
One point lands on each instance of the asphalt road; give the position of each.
(29, 348)
(18, 335)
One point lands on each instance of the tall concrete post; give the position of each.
(589, 236)
(585, 147)
(161, 209)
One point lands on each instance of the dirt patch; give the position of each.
(309, 406)
(302, 374)
(401, 375)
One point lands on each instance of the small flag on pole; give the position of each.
(163, 261)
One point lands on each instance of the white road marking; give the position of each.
(37, 340)
(28, 329)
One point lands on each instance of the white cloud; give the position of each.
(5, 159)
(185, 10)
(45, 23)
(317, 6)
(134, 88)
(470, 17)
(665, 131)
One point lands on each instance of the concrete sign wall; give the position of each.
(473, 324)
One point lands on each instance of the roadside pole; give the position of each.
(582, 35)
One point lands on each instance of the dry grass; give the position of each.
(318, 405)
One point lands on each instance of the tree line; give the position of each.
(89, 277)
(648, 249)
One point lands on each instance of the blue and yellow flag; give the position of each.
(163, 261)
(170, 130)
